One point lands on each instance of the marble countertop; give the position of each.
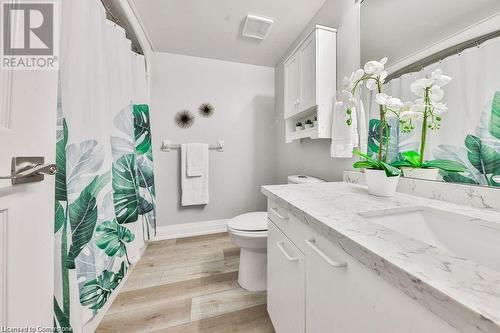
(462, 292)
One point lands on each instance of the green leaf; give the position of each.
(390, 171)
(95, 293)
(445, 165)
(142, 129)
(125, 190)
(62, 318)
(145, 206)
(112, 238)
(145, 175)
(59, 216)
(363, 165)
(484, 158)
(495, 116)
(82, 218)
(61, 192)
(455, 177)
(412, 157)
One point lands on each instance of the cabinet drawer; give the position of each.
(342, 295)
(285, 283)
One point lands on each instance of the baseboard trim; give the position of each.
(190, 229)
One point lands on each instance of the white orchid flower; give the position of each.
(375, 67)
(381, 98)
(371, 84)
(359, 74)
(347, 99)
(439, 108)
(418, 87)
(436, 94)
(418, 106)
(394, 104)
(439, 79)
(410, 115)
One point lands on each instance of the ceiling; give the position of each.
(398, 28)
(212, 28)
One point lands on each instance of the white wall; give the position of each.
(312, 157)
(243, 96)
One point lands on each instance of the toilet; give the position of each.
(249, 232)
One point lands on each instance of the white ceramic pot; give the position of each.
(418, 173)
(379, 184)
(308, 126)
(298, 128)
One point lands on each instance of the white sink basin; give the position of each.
(460, 235)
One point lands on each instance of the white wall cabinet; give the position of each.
(310, 84)
(339, 293)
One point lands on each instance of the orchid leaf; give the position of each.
(390, 171)
(412, 157)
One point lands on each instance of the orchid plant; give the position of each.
(373, 75)
(428, 109)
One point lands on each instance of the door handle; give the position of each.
(333, 263)
(287, 256)
(29, 170)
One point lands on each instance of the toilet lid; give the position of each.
(256, 221)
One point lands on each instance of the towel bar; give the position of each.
(167, 146)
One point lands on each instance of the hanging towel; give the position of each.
(343, 135)
(196, 159)
(194, 189)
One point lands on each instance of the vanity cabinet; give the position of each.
(327, 290)
(285, 307)
(310, 84)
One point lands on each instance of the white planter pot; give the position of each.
(379, 184)
(315, 123)
(308, 126)
(298, 128)
(418, 173)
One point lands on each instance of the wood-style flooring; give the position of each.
(187, 285)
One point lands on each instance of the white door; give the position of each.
(28, 104)
(308, 73)
(285, 283)
(291, 85)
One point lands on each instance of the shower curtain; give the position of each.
(105, 196)
(470, 130)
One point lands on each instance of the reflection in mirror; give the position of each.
(444, 63)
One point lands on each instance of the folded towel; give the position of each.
(194, 189)
(342, 134)
(196, 159)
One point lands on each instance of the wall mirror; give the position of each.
(462, 38)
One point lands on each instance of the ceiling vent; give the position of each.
(257, 27)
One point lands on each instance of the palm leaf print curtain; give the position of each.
(105, 195)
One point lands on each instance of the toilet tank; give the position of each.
(303, 179)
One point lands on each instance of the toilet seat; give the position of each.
(255, 223)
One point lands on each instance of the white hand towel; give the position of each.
(342, 134)
(194, 189)
(196, 159)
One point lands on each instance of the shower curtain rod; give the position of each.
(110, 16)
(438, 56)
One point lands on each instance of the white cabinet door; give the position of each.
(307, 95)
(356, 300)
(285, 283)
(292, 85)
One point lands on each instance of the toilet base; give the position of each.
(253, 269)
